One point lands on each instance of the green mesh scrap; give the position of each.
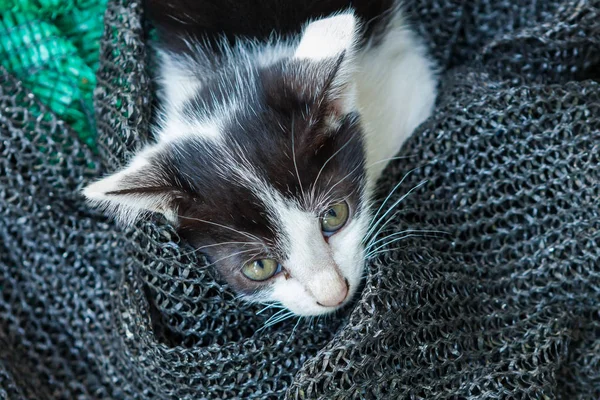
(52, 46)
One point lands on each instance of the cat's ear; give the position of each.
(328, 38)
(328, 46)
(139, 188)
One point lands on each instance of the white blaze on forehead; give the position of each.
(348, 250)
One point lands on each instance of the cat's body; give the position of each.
(269, 146)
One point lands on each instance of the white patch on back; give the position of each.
(396, 92)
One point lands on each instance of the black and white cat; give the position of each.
(277, 119)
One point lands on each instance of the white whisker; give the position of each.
(370, 231)
(325, 163)
(220, 244)
(400, 233)
(269, 306)
(389, 159)
(390, 195)
(250, 258)
(225, 227)
(276, 318)
(375, 250)
(294, 330)
(230, 255)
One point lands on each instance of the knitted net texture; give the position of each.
(482, 282)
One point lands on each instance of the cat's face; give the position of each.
(279, 207)
(263, 170)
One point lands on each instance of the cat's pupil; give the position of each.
(332, 212)
(260, 264)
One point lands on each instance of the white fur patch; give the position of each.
(318, 269)
(327, 38)
(396, 92)
(348, 249)
(310, 260)
(269, 55)
(178, 82)
(177, 127)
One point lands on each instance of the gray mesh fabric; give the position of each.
(500, 300)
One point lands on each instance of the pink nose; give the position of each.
(336, 296)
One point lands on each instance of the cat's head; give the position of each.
(260, 165)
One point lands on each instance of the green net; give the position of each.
(52, 47)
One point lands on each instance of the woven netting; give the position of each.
(503, 305)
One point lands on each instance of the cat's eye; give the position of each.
(334, 218)
(261, 270)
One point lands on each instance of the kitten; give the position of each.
(276, 123)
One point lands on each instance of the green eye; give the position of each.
(261, 270)
(334, 218)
